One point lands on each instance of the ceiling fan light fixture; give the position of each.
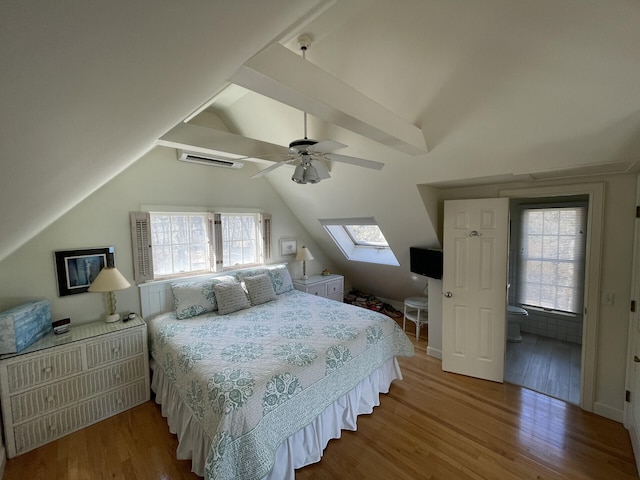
(311, 174)
(298, 175)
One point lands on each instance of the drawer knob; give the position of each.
(116, 350)
(48, 370)
(118, 376)
(53, 428)
(50, 399)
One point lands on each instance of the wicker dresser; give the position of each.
(63, 383)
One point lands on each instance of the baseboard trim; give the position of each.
(608, 412)
(434, 352)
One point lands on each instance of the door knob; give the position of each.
(449, 295)
(636, 358)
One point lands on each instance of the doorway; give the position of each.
(547, 277)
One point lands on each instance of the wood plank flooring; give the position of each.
(431, 425)
(545, 365)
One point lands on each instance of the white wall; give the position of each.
(102, 219)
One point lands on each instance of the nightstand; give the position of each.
(328, 286)
(63, 383)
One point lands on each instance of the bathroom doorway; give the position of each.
(547, 258)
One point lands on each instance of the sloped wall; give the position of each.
(102, 219)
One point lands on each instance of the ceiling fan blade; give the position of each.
(360, 162)
(326, 146)
(270, 168)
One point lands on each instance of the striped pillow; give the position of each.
(230, 297)
(260, 289)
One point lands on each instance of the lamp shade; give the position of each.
(304, 254)
(109, 280)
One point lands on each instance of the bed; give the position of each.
(257, 390)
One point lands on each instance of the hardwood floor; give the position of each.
(545, 365)
(431, 425)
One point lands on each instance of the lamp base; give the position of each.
(112, 318)
(303, 277)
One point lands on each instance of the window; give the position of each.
(180, 243)
(360, 240)
(551, 257)
(239, 240)
(177, 243)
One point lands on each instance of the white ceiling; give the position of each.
(497, 88)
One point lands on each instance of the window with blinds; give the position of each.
(551, 258)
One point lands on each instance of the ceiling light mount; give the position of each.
(304, 42)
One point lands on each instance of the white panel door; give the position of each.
(474, 286)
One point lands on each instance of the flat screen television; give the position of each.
(426, 262)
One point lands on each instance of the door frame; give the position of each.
(634, 341)
(595, 230)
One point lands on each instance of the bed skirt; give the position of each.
(302, 448)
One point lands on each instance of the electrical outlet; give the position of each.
(608, 298)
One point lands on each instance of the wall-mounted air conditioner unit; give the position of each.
(204, 159)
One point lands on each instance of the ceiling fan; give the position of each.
(308, 154)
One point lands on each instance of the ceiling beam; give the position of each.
(199, 139)
(282, 75)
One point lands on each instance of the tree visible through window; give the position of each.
(239, 240)
(180, 243)
(551, 260)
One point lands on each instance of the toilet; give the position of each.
(514, 314)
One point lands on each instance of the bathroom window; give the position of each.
(551, 257)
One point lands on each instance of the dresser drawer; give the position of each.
(320, 290)
(115, 348)
(43, 369)
(61, 394)
(45, 429)
(335, 288)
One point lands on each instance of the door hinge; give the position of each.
(627, 396)
(637, 211)
(633, 305)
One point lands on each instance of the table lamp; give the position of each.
(303, 255)
(108, 281)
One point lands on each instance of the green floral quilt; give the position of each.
(254, 377)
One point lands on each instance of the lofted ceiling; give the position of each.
(442, 92)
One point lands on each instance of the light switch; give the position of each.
(608, 298)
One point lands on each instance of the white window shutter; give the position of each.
(141, 242)
(215, 236)
(265, 221)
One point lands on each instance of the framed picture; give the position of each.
(288, 246)
(76, 269)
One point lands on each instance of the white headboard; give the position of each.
(157, 297)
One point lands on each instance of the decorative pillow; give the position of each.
(280, 278)
(243, 274)
(260, 289)
(230, 297)
(193, 298)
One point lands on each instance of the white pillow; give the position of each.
(260, 289)
(280, 278)
(192, 298)
(230, 297)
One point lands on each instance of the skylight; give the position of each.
(360, 240)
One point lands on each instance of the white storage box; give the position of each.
(23, 325)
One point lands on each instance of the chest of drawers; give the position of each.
(63, 383)
(328, 286)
